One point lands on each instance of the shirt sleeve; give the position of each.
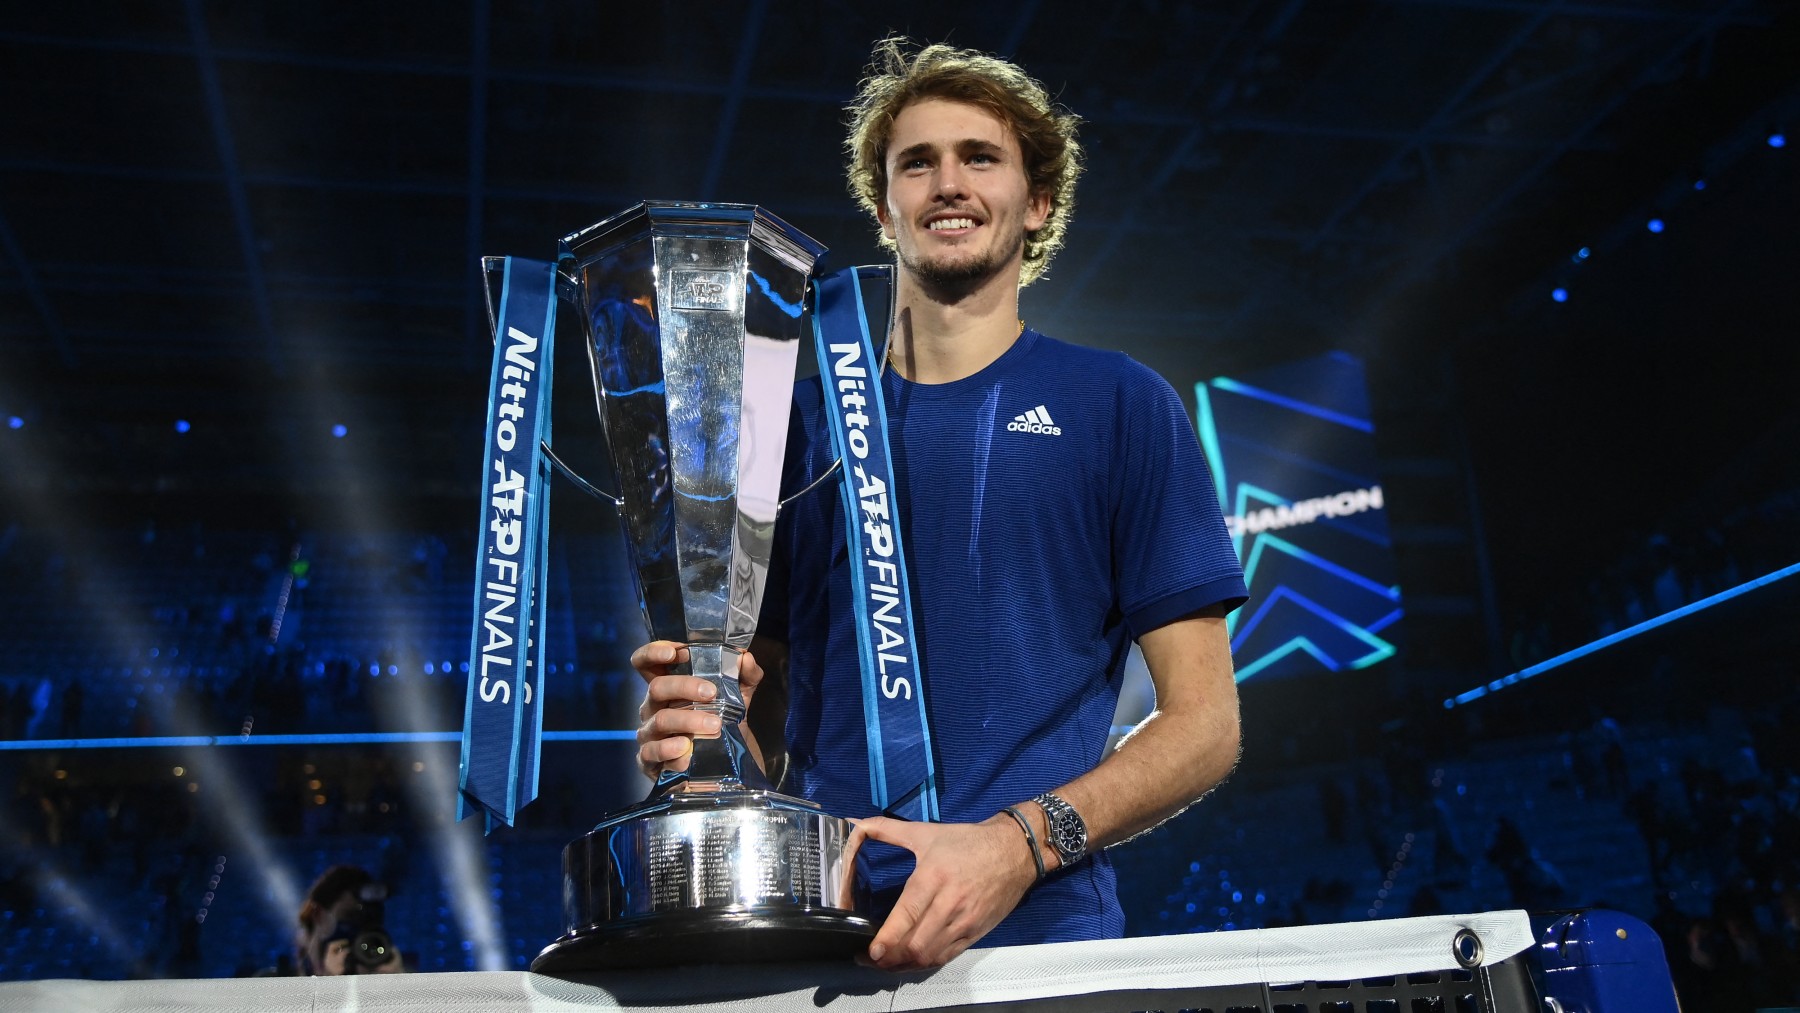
(1170, 547)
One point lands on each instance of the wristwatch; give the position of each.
(1068, 834)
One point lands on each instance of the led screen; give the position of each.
(1292, 450)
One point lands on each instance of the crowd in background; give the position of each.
(261, 646)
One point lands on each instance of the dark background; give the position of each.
(265, 220)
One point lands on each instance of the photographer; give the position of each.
(342, 928)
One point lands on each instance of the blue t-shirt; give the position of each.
(1054, 506)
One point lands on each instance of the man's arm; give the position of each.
(970, 876)
(1187, 745)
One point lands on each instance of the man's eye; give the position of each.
(983, 158)
(915, 163)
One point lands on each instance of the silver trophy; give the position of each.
(694, 317)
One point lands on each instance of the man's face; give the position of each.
(958, 205)
(346, 906)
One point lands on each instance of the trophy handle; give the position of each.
(490, 266)
(838, 462)
(810, 486)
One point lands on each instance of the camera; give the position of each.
(370, 945)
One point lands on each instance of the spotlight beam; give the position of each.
(1612, 638)
(237, 814)
(238, 194)
(34, 290)
(456, 849)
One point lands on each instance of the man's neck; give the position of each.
(940, 338)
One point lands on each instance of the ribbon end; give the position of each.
(468, 805)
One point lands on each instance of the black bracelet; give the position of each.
(1037, 857)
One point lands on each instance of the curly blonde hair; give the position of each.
(1046, 132)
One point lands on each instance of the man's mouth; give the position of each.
(944, 224)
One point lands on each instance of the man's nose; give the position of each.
(951, 181)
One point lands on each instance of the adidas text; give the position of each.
(1036, 420)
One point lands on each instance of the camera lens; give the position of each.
(372, 948)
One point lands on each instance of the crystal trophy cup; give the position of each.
(694, 318)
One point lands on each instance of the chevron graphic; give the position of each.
(1284, 446)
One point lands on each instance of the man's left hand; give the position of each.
(966, 878)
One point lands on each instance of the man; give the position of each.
(1055, 506)
(340, 907)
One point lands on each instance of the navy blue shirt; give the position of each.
(1054, 507)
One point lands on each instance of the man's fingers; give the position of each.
(671, 754)
(962, 885)
(674, 689)
(937, 928)
(666, 738)
(653, 658)
(887, 949)
(678, 722)
(893, 946)
(667, 750)
(899, 833)
(750, 674)
(906, 938)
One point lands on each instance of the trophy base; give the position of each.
(746, 937)
(711, 872)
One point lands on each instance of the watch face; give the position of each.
(1070, 836)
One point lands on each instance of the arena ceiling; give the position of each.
(266, 217)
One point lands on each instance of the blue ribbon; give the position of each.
(503, 718)
(902, 772)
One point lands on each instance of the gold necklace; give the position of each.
(888, 359)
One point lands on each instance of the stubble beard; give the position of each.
(957, 278)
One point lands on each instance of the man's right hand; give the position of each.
(669, 724)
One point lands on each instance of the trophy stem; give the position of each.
(723, 762)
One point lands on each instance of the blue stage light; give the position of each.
(1778, 140)
(314, 739)
(1699, 184)
(340, 430)
(1583, 253)
(182, 426)
(1654, 225)
(15, 422)
(1564, 658)
(1560, 294)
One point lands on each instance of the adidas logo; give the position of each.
(1036, 420)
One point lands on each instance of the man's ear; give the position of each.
(886, 220)
(1037, 211)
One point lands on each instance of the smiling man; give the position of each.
(1055, 507)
